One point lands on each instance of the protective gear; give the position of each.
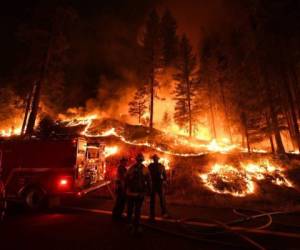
(140, 157)
(120, 190)
(155, 157)
(158, 176)
(138, 182)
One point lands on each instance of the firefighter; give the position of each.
(120, 190)
(138, 183)
(159, 178)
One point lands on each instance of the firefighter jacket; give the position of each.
(138, 180)
(120, 180)
(158, 174)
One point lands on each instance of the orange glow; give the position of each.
(241, 180)
(109, 151)
(162, 160)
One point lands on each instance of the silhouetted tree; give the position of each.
(138, 107)
(186, 86)
(152, 57)
(169, 38)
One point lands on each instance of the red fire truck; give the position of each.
(35, 171)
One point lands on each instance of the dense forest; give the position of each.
(241, 83)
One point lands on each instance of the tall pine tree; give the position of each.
(186, 86)
(169, 38)
(137, 107)
(152, 58)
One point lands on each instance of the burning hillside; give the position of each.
(238, 176)
(241, 180)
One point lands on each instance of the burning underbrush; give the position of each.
(200, 172)
(241, 180)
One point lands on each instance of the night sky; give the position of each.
(103, 40)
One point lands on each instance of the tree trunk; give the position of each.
(28, 107)
(273, 116)
(284, 69)
(151, 98)
(225, 110)
(270, 134)
(189, 105)
(212, 117)
(290, 100)
(34, 109)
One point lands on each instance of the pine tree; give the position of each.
(152, 58)
(186, 86)
(169, 38)
(46, 39)
(137, 107)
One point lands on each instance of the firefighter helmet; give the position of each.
(140, 157)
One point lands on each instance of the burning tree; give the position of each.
(137, 107)
(169, 38)
(152, 57)
(186, 87)
(11, 108)
(45, 38)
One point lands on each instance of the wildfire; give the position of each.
(240, 181)
(266, 171)
(218, 146)
(108, 151)
(226, 179)
(10, 132)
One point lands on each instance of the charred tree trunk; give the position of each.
(151, 99)
(228, 126)
(287, 87)
(34, 109)
(212, 117)
(292, 108)
(270, 134)
(27, 109)
(189, 103)
(246, 132)
(274, 119)
(296, 89)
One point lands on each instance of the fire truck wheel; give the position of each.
(34, 199)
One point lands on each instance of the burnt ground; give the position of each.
(86, 224)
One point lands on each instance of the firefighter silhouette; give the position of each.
(159, 177)
(138, 183)
(120, 190)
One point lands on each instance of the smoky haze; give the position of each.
(104, 54)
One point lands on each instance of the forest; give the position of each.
(239, 84)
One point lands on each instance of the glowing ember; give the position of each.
(214, 146)
(265, 171)
(239, 181)
(226, 179)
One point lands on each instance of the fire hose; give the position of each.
(194, 227)
(199, 236)
(190, 223)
